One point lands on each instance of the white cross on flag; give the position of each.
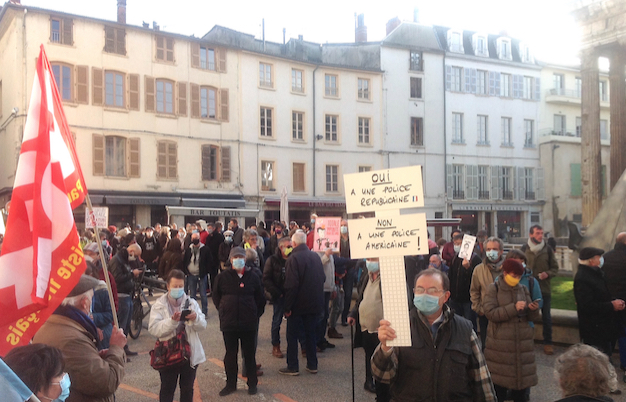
(41, 259)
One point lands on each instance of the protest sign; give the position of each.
(467, 247)
(100, 216)
(327, 234)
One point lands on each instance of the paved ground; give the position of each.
(332, 383)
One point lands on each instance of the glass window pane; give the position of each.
(109, 88)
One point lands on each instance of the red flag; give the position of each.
(41, 259)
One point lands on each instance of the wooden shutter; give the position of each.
(67, 38)
(206, 162)
(169, 49)
(133, 91)
(150, 96)
(182, 98)
(298, 177)
(98, 86)
(82, 84)
(496, 175)
(195, 55)
(537, 88)
(492, 84)
(448, 78)
(497, 88)
(195, 100)
(450, 182)
(225, 151)
(468, 80)
(541, 191)
(160, 48)
(161, 159)
(134, 156)
(521, 183)
(473, 79)
(575, 180)
(120, 41)
(109, 39)
(472, 182)
(224, 104)
(172, 160)
(221, 55)
(98, 155)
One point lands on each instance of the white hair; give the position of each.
(75, 300)
(298, 238)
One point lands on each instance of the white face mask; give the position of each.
(131, 258)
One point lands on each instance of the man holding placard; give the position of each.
(460, 275)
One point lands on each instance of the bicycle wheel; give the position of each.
(136, 320)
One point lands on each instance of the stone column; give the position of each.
(590, 139)
(618, 114)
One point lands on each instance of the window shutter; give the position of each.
(195, 55)
(169, 50)
(221, 54)
(109, 39)
(172, 160)
(120, 38)
(497, 90)
(134, 157)
(150, 95)
(473, 80)
(472, 182)
(82, 84)
(224, 104)
(448, 78)
(496, 177)
(133, 91)
(159, 48)
(98, 86)
(206, 162)
(450, 182)
(492, 83)
(98, 155)
(182, 98)
(521, 183)
(541, 191)
(195, 100)
(537, 89)
(67, 32)
(468, 80)
(161, 159)
(225, 164)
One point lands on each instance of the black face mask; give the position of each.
(196, 242)
(279, 231)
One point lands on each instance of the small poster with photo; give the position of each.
(467, 247)
(327, 234)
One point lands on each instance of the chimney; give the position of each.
(155, 26)
(121, 11)
(300, 37)
(416, 15)
(361, 30)
(393, 24)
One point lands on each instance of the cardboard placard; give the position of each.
(100, 216)
(327, 234)
(383, 190)
(467, 247)
(387, 236)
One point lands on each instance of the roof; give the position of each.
(413, 36)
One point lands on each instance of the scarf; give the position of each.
(80, 317)
(536, 248)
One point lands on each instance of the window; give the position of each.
(165, 96)
(115, 40)
(507, 183)
(331, 128)
(267, 176)
(535, 218)
(579, 126)
(209, 162)
(266, 122)
(330, 82)
(164, 49)
(505, 85)
(416, 63)
(298, 178)
(528, 88)
(332, 177)
(297, 125)
(364, 88)
(506, 132)
(525, 54)
(481, 130)
(208, 103)
(529, 184)
(115, 156)
(417, 134)
(504, 49)
(365, 169)
(114, 92)
(456, 79)
(207, 58)
(576, 180)
(559, 124)
(457, 128)
(604, 129)
(483, 183)
(578, 87)
(416, 88)
(364, 130)
(481, 46)
(265, 75)
(63, 77)
(604, 96)
(558, 81)
(167, 160)
(529, 131)
(297, 84)
(61, 31)
(482, 87)
(455, 42)
(458, 182)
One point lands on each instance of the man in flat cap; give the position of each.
(597, 319)
(94, 375)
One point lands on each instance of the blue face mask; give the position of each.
(372, 266)
(239, 263)
(601, 262)
(426, 303)
(492, 255)
(65, 389)
(524, 265)
(177, 293)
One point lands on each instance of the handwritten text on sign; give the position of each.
(397, 235)
(384, 190)
(100, 217)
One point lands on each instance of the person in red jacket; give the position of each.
(311, 234)
(448, 252)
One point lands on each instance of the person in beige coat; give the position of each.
(94, 375)
(510, 350)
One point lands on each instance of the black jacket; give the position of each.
(239, 301)
(237, 237)
(205, 260)
(124, 278)
(304, 282)
(461, 278)
(213, 242)
(274, 275)
(150, 249)
(413, 265)
(597, 321)
(615, 271)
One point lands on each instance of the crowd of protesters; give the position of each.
(472, 318)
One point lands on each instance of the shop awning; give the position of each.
(309, 202)
(128, 200)
(213, 203)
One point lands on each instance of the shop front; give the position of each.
(183, 215)
(300, 209)
(506, 221)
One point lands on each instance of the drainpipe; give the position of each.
(445, 139)
(314, 133)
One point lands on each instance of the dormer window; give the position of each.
(480, 45)
(504, 49)
(455, 41)
(525, 53)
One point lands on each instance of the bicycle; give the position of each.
(145, 279)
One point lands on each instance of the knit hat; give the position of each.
(85, 283)
(512, 266)
(93, 247)
(112, 228)
(589, 252)
(228, 233)
(237, 252)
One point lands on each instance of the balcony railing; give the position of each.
(483, 195)
(529, 195)
(507, 195)
(573, 93)
(458, 195)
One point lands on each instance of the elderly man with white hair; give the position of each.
(94, 375)
(583, 373)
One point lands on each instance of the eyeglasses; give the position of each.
(431, 291)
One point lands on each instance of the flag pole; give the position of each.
(104, 264)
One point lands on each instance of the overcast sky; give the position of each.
(545, 24)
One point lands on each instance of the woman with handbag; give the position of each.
(176, 319)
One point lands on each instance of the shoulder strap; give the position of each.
(531, 285)
(524, 248)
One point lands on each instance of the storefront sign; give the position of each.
(397, 235)
(99, 217)
(226, 212)
(384, 190)
(489, 207)
(326, 234)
